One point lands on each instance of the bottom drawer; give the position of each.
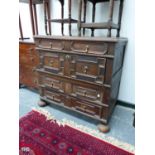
(52, 96)
(90, 109)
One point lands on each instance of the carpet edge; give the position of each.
(95, 133)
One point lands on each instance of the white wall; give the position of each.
(127, 90)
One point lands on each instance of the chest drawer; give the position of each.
(90, 109)
(87, 93)
(88, 47)
(51, 95)
(50, 44)
(90, 68)
(87, 68)
(51, 62)
(51, 82)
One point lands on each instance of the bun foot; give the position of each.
(42, 103)
(103, 128)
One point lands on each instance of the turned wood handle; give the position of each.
(84, 93)
(85, 69)
(87, 49)
(98, 95)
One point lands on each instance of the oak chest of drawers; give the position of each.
(80, 73)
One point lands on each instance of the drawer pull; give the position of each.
(52, 97)
(87, 49)
(67, 57)
(85, 69)
(51, 45)
(85, 93)
(98, 95)
(83, 107)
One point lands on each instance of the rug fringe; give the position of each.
(48, 115)
(87, 130)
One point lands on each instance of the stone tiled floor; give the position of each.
(120, 123)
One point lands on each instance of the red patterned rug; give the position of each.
(40, 136)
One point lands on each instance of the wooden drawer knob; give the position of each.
(83, 107)
(51, 44)
(87, 49)
(85, 93)
(98, 95)
(85, 69)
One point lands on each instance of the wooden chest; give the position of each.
(28, 61)
(80, 73)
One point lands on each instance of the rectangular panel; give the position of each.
(87, 93)
(95, 48)
(85, 107)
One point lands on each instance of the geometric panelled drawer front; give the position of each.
(79, 74)
(87, 68)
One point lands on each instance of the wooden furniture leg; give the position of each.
(62, 17)
(20, 28)
(103, 128)
(84, 16)
(111, 8)
(69, 15)
(45, 18)
(93, 17)
(49, 16)
(35, 18)
(120, 17)
(42, 103)
(31, 16)
(79, 19)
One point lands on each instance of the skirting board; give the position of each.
(125, 104)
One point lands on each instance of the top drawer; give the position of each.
(75, 46)
(97, 48)
(50, 44)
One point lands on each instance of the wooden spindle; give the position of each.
(69, 16)
(79, 19)
(120, 17)
(111, 9)
(20, 28)
(49, 17)
(35, 18)
(93, 17)
(84, 16)
(31, 16)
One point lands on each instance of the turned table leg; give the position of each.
(103, 128)
(42, 103)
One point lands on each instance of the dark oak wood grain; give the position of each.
(28, 62)
(81, 73)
